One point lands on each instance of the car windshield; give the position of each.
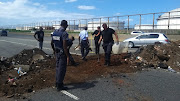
(165, 36)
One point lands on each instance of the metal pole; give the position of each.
(153, 21)
(80, 24)
(74, 24)
(128, 24)
(92, 24)
(140, 23)
(100, 23)
(108, 21)
(118, 23)
(169, 20)
(86, 23)
(69, 25)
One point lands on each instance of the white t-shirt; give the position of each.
(83, 35)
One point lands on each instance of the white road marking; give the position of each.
(25, 44)
(70, 95)
(32, 46)
(29, 40)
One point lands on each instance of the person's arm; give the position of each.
(79, 39)
(93, 33)
(35, 35)
(66, 50)
(100, 39)
(52, 45)
(117, 39)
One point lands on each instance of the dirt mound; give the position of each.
(39, 68)
(41, 72)
(158, 55)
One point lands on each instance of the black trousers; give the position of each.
(84, 47)
(107, 50)
(61, 64)
(71, 59)
(97, 46)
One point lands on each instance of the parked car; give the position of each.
(136, 32)
(3, 33)
(147, 39)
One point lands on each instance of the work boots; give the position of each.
(107, 63)
(60, 87)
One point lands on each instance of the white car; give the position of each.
(136, 32)
(147, 39)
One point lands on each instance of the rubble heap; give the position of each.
(159, 55)
(31, 70)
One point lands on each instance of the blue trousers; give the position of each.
(61, 65)
(40, 44)
(84, 47)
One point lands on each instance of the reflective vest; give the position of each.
(57, 39)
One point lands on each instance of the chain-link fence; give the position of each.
(166, 22)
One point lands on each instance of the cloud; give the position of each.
(70, 0)
(36, 4)
(24, 11)
(52, 3)
(117, 14)
(83, 7)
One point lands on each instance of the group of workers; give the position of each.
(61, 44)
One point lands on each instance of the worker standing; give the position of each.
(39, 37)
(59, 45)
(108, 42)
(97, 34)
(84, 42)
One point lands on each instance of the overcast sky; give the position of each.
(30, 11)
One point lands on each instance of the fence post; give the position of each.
(108, 21)
(169, 20)
(69, 25)
(153, 20)
(128, 24)
(140, 23)
(74, 24)
(118, 23)
(80, 24)
(100, 22)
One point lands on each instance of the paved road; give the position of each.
(147, 85)
(15, 43)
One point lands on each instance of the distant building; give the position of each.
(165, 21)
(173, 19)
(112, 24)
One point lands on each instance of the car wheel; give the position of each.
(131, 44)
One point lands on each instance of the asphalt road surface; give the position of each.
(147, 85)
(15, 43)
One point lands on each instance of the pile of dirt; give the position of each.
(159, 55)
(39, 68)
(41, 72)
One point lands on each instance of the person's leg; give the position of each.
(61, 70)
(82, 48)
(105, 53)
(40, 45)
(71, 59)
(109, 49)
(96, 46)
(86, 48)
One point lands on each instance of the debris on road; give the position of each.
(38, 68)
